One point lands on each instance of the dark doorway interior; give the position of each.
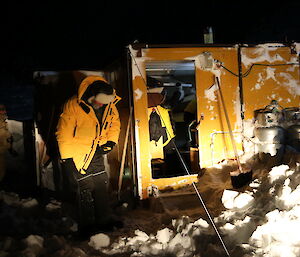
(175, 82)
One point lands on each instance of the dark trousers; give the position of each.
(90, 193)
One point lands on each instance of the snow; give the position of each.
(53, 205)
(210, 93)
(264, 54)
(260, 220)
(34, 240)
(278, 172)
(34, 245)
(257, 86)
(138, 94)
(297, 47)
(99, 241)
(163, 236)
(29, 203)
(271, 73)
(292, 85)
(233, 199)
(10, 198)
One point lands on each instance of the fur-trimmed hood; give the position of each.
(102, 97)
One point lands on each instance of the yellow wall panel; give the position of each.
(214, 137)
(265, 83)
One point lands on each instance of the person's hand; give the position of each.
(106, 148)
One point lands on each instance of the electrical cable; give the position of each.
(255, 64)
(188, 173)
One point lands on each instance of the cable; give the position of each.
(261, 64)
(229, 70)
(188, 173)
(202, 202)
(255, 64)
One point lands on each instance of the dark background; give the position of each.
(88, 35)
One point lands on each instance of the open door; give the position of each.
(172, 113)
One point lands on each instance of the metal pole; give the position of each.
(229, 127)
(131, 133)
(124, 154)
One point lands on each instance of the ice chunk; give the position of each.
(34, 240)
(99, 240)
(228, 198)
(156, 248)
(140, 237)
(228, 227)
(53, 205)
(232, 199)
(243, 200)
(163, 236)
(201, 223)
(10, 198)
(29, 203)
(181, 223)
(183, 241)
(278, 172)
(255, 183)
(34, 246)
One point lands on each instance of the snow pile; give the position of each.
(13, 199)
(271, 225)
(264, 220)
(178, 240)
(261, 220)
(281, 232)
(26, 216)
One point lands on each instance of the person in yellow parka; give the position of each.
(88, 128)
(4, 138)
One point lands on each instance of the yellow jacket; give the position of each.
(78, 130)
(165, 121)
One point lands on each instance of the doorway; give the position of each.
(172, 115)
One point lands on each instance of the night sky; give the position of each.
(89, 35)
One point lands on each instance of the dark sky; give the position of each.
(89, 35)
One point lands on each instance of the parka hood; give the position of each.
(87, 82)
